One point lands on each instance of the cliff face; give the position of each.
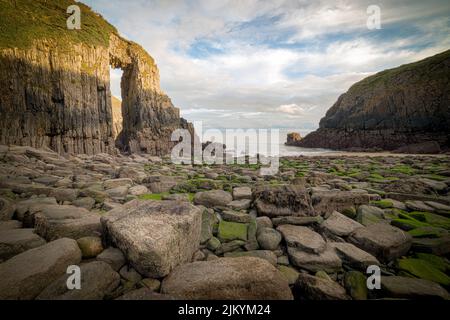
(55, 85)
(402, 106)
(116, 116)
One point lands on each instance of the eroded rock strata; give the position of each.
(408, 105)
(55, 88)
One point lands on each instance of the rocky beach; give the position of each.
(140, 227)
(93, 205)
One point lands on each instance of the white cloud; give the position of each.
(301, 54)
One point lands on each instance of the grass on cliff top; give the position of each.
(23, 21)
(421, 67)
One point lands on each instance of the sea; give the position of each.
(271, 146)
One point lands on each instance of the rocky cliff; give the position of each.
(55, 84)
(391, 109)
(117, 115)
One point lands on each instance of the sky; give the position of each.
(272, 64)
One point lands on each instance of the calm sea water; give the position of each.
(279, 143)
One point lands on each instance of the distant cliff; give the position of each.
(55, 84)
(391, 109)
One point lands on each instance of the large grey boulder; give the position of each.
(240, 193)
(244, 278)
(327, 260)
(289, 200)
(340, 225)
(155, 236)
(54, 221)
(15, 241)
(98, 279)
(382, 240)
(213, 198)
(303, 238)
(25, 275)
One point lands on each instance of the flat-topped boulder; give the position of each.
(155, 236)
(353, 256)
(244, 278)
(15, 241)
(327, 260)
(213, 198)
(302, 238)
(382, 240)
(240, 193)
(325, 202)
(340, 225)
(65, 221)
(288, 200)
(25, 275)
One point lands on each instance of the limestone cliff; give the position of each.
(55, 84)
(402, 106)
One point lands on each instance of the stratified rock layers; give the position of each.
(402, 106)
(56, 94)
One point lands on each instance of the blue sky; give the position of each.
(279, 63)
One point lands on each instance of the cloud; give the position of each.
(254, 63)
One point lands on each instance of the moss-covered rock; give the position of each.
(289, 273)
(383, 204)
(232, 231)
(423, 269)
(355, 284)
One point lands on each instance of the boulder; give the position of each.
(85, 202)
(240, 193)
(243, 278)
(288, 200)
(213, 198)
(302, 238)
(15, 241)
(268, 238)
(113, 256)
(243, 204)
(367, 215)
(340, 225)
(326, 202)
(54, 221)
(64, 194)
(97, 281)
(411, 288)
(229, 231)
(155, 236)
(138, 190)
(353, 256)
(267, 255)
(90, 246)
(382, 240)
(114, 183)
(297, 221)
(309, 287)
(327, 261)
(356, 284)
(25, 275)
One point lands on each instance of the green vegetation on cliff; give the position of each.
(23, 21)
(418, 68)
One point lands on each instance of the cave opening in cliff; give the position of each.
(116, 99)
